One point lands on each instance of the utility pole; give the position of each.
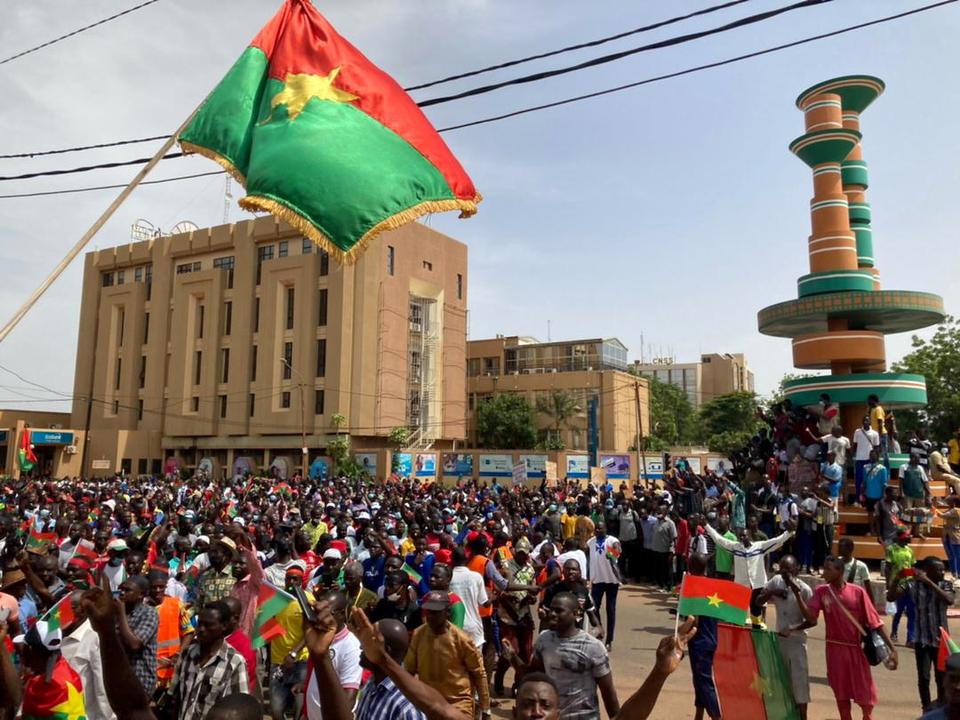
(641, 454)
(303, 423)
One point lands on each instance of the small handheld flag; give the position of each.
(721, 599)
(947, 648)
(270, 603)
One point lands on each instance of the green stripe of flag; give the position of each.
(777, 688)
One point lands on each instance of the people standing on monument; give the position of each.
(865, 439)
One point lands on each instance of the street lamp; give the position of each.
(303, 422)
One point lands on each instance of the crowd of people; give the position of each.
(145, 597)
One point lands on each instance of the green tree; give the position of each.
(560, 406)
(728, 421)
(673, 420)
(506, 422)
(938, 360)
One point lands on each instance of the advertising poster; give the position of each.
(536, 465)
(519, 474)
(721, 466)
(319, 468)
(242, 466)
(425, 465)
(578, 466)
(551, 472)
(654, 469)
(496, 466)
(694, 464)
(457, 465)
(404, 464)
(369, 463)
(617, 466)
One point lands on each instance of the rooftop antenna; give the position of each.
(184, 226)
(227, 198)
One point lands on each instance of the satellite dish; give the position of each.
(184, 226)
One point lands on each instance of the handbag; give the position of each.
(874, 647)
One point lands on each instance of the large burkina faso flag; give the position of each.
(751, 679)
(324, 139)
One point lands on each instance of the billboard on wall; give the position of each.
(455, 465)
(496, 466)
(578, 466)
(368, 461)
(654, 469)
(425, 465)
(617, 466)
(721, 466)
(404, 464)
(536, 465)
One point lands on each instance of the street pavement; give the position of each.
(643, 619)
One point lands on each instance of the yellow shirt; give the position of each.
(291, 620)
(568, 525)
(451, 664)
(954, 446)
(407, 546)
(877, 418)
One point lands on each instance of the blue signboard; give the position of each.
(51, 437)
(404, 464)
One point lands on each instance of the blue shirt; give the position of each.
(374, 572)
(875, 480)
(384, 701)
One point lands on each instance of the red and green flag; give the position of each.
(270, 603)
(37, 541)
(751, 679)
(26, 458)
(61, 615)
(721, 599)
(415, 577)
(324, 139)
(947, 648)
(86, 550)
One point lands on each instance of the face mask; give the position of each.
(115, 562)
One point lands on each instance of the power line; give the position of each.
(110, 187)
(557, 103)
(470, 73)
(580, 46)
(603, 59)
(77, 32)
(88, 168)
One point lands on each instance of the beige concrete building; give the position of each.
(584, 369)
(235, 345)
(715, 374)
(55, 444)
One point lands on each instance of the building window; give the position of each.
(146, 328)
(185, 268)
(225, 365)
(427, 265)
(119, 277)
(121, 323)
(226, 263)
(287, 360)
(195, 403)
(223, 406)
(472, 401)
(459, 286)
(138, 274)
(140, 409)
(116, 407)
(107, 279)
(116, 384)
(321, 358)
(143, 371)
(227, 317)
(142, 466)
(285, 399)
(324, 263)
(473, 367)
(322, 311)
(253, 363)
(256, 314)
(264, 253)
(201, 310)
(283, 249)
(307, 246)
(391, 259)
(253, 404)
(318, 402)
(291, 298)
(197, 366)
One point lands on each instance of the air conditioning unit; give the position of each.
(70, 449)
(416, 327)
(56, 426)
(528, 371)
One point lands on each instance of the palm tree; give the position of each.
(561, 406)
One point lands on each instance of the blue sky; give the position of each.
(672, 211)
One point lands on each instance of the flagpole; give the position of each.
(676, 624)
(94, 229)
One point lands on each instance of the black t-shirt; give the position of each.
(579, 589)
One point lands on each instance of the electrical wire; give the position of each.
(77, 32)
(558, 103)
(613, 57)
(470, 73)
(579, 46)
(70, 191)
(88, 168)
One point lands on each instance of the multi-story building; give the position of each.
(587, 370)
(715, 374)
(244, 341)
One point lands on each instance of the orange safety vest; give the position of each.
(478, 563)
(168, 635)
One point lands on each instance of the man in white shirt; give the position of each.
(603, 551)
(81, 648)
(344, 656)
(572, 551)
(469, 586)
(837, 444)
(865, 439)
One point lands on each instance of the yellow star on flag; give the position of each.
(760, 686)
(714, 600)
(301, 88)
